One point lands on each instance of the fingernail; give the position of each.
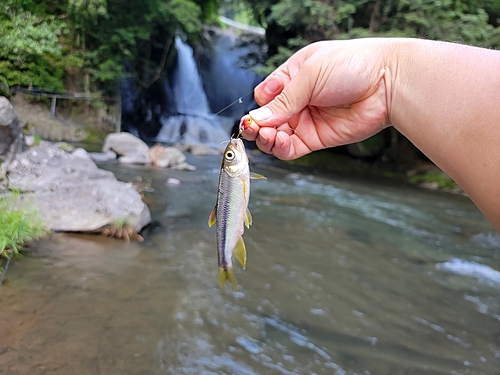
(279, 141)
(272, 86)
(263, 140)
(261, 114)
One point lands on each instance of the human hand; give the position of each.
(327, 94)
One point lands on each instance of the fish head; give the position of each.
(235, 159)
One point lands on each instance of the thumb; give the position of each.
(293, 98)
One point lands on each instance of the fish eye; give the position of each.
(229, 155)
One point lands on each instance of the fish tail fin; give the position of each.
(227, 274)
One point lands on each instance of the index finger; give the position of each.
(274, 83)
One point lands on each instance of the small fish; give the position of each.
(245, 123)
(231, 209)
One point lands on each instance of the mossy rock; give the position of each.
(435, 177)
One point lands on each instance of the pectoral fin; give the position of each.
(213, 217)
(256, 176)
(240, 252)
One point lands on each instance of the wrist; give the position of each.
(402, 56)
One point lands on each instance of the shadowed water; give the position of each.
(343, 277)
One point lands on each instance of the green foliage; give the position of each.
(30, 52)
(18, 225)
(444, 20)
(238, 11)
(294, 23)
(44, 43)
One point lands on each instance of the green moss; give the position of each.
(93, 138)
(434, 176)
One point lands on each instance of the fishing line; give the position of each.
(239, 101)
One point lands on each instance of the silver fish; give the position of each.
(231, 209)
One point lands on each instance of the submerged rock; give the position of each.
(72, 194)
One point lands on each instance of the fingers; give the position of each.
(268, 89)
(281, 143)
(283, 95)
(266, 139)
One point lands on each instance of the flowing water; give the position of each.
(343, 276)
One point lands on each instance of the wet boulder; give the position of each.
(11, 136)
(129, 148)
(169, 157)
(72, 194)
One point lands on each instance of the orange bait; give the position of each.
(245, 123)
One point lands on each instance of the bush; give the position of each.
(18, 225)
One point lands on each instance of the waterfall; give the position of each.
(194, 123)
(187, 85)
(179, 107)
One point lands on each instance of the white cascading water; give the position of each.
(194, 122)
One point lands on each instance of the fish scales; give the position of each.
(231, 210)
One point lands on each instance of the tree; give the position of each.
(138, 31)
(30, 51)
(85, 43)
(292, 24)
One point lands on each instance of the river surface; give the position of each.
(344, 276)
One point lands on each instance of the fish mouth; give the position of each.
(237, 143)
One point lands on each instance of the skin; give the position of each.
(444, 97)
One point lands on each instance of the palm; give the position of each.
(321, 127)
(342, 98)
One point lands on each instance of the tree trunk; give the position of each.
(375, 17)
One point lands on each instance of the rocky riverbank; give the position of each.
(66, 187)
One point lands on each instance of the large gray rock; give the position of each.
(11, 135)
(72, 193)
(169, 157)
(129, 148)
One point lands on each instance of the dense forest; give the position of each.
(291, 24)
(83, 45)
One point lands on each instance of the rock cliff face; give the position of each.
(11, 136)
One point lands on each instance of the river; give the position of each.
(344, 276)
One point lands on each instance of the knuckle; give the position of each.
(283, 103)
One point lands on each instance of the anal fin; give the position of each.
(240, 252)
